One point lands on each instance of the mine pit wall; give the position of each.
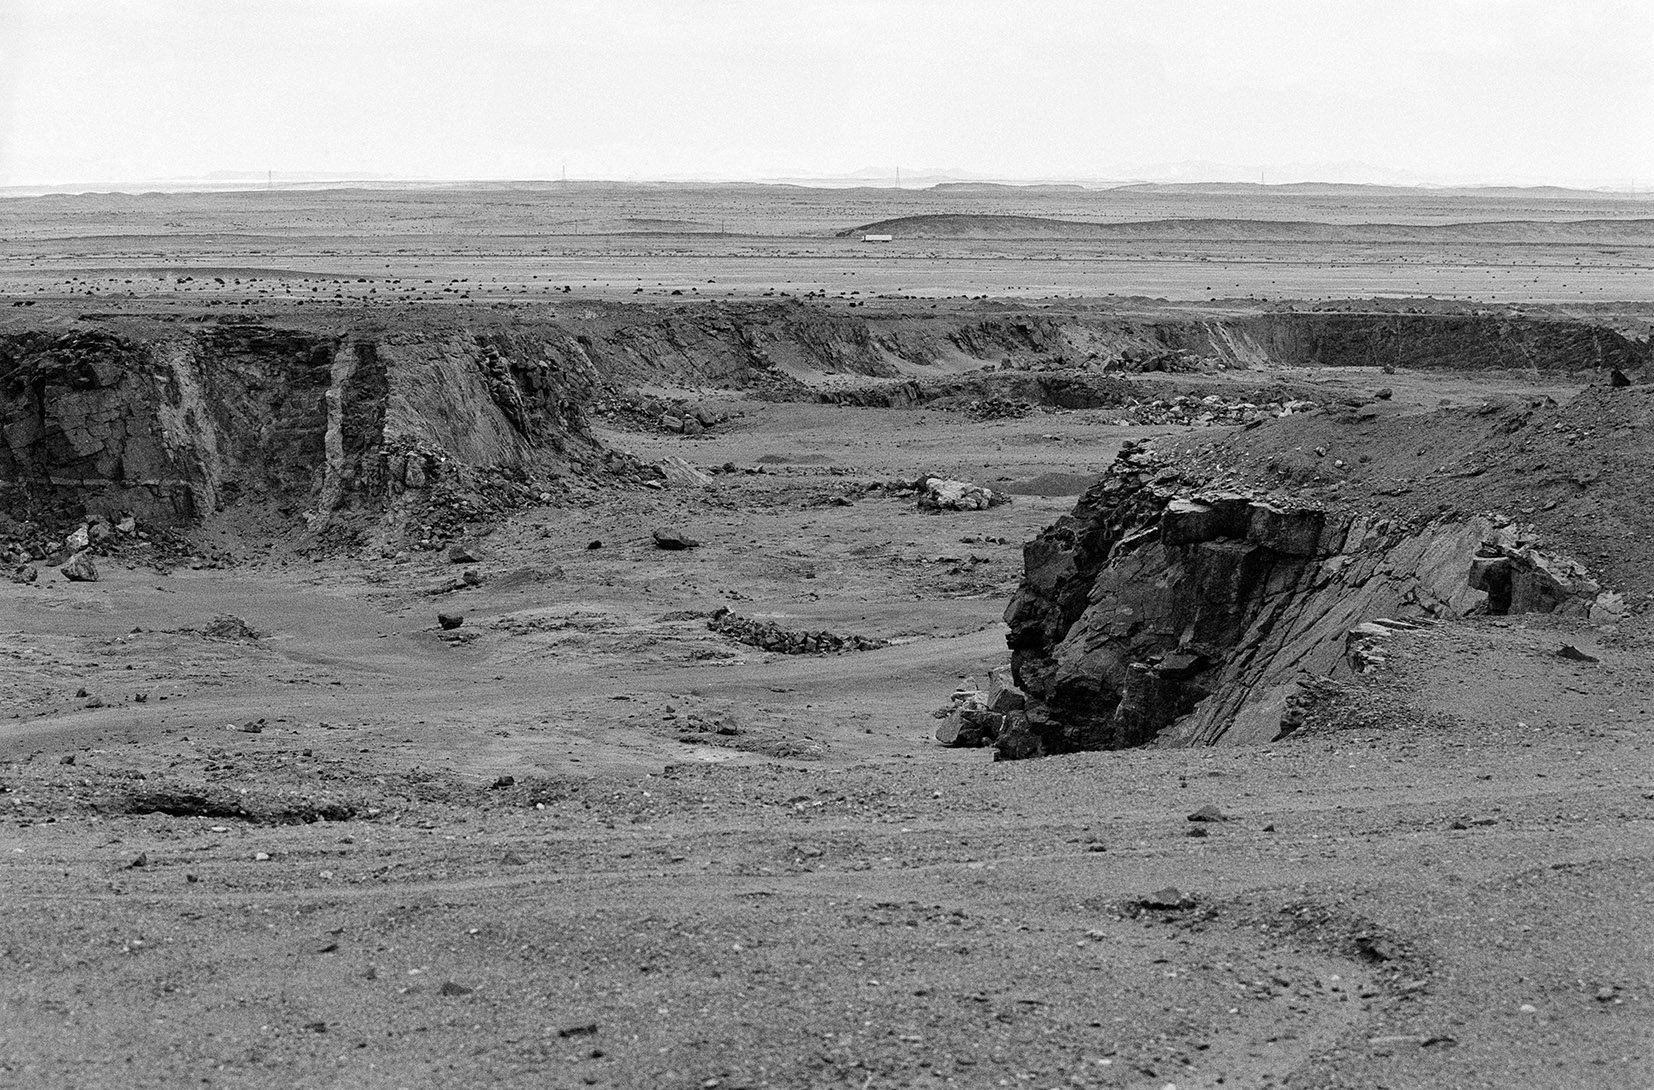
(753, 345)
(1154, 613)
(176, 427)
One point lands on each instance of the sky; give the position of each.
(1446, 91)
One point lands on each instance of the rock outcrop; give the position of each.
(1161, 611)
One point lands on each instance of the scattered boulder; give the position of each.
(463, 554)
(1208, 813)
(227, 626)
(80, 569)
(450, 621)
(1169, 899)
(1576, 654)
(25, 573)
(678, 473)
(941, 494)
(673, 540)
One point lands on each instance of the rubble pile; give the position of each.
(998, 408)
(772, 637)
(642, 413)
(941, 494)
(1212, 411)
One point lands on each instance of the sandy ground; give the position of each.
(719, 867)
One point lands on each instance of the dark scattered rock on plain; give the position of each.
(449, 988)
(1208, 813)
(594, 544)
(450, 621)
(1166, 900)
(503, 781)
(674, 540)
(1618, 378)
(227, 626)
(1575, 654)
(463, 554)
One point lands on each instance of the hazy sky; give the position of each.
(1437, 90)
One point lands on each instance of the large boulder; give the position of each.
(80, 569)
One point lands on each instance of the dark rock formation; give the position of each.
(1157, 611)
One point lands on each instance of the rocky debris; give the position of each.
(80, 569)
(1017, 740)
(674, 540)
(998, 408)
(450, 621)
(1213, 410)
(643, 413)
(1518, 578)
(1162, 610)
(227, 626)
(25, 573)
(194, 800)
(1003, 695)
(969, 728)
(1575, 654)
(978, 717)
(463, 554)
(772, 637)
(941, 494)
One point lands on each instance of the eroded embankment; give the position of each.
(173, 421)
(1190, 593)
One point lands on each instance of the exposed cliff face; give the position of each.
(753, 344)
(172, 425)
(1182, 606)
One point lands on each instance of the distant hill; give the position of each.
(954, 226)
